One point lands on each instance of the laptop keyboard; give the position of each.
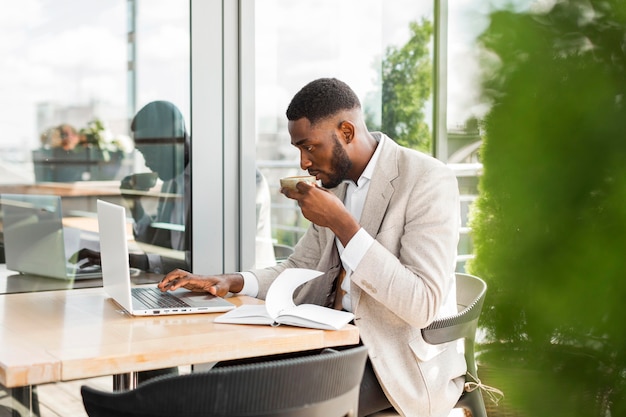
(154, 298)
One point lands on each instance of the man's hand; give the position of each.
(324, 209)
(218, 285)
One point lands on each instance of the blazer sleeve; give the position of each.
(409, 269)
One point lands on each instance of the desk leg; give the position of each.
(125, 382)
(15, 401)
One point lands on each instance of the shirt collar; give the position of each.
(367, 173)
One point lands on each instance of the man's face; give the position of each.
(321, 151)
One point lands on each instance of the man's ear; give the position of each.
(347, 129)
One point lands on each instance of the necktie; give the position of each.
(339, 293)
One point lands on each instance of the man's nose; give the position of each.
(305, 162)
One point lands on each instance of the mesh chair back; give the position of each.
(324, 385)
(470, 295)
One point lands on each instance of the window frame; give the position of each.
(223, 146)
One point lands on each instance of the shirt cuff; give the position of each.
(356, 249)
(250, 284)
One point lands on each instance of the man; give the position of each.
(387, 216)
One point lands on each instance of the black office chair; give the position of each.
(470, 295)
(320, 385)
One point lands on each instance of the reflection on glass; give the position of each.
(36, 241)
(92, 153)
(158, 200)
(466, 107)
(66, 127)
(71, 121)
(383, 50)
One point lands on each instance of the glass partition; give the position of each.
(465, 108)
(383, 50)
(75, 75)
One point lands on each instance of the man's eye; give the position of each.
(308, 148)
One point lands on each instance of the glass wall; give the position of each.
(383, 50)
(465, 107)
(75, 80)
(76, 74)
(387, 52)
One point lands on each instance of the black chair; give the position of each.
(470, 295)
(320, 385)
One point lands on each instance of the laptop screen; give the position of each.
(33, 234)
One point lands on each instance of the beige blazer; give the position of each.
(403, 283)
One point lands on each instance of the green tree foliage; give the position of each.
(406, 86)
(549, 226)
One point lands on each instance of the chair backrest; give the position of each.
(470, 295)
(320, 385)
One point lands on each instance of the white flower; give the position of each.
(123, 142)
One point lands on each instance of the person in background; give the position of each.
(70, 138)
(385, 228)
(161, 137)
(64, 136)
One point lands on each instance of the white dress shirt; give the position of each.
(355, 250)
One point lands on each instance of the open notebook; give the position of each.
(141, 301)
(35, 240)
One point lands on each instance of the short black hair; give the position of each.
(320, 99)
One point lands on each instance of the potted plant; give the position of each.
(92, 153)
(549, 224)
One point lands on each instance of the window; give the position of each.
(76, 76)
(379, 48)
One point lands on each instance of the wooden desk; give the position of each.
(65, 335)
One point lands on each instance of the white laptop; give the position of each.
(36, 242)
(141, 301)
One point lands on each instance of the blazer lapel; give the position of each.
(378, 197)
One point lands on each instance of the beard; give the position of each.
(341, 164)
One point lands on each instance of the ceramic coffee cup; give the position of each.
(290, 182)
